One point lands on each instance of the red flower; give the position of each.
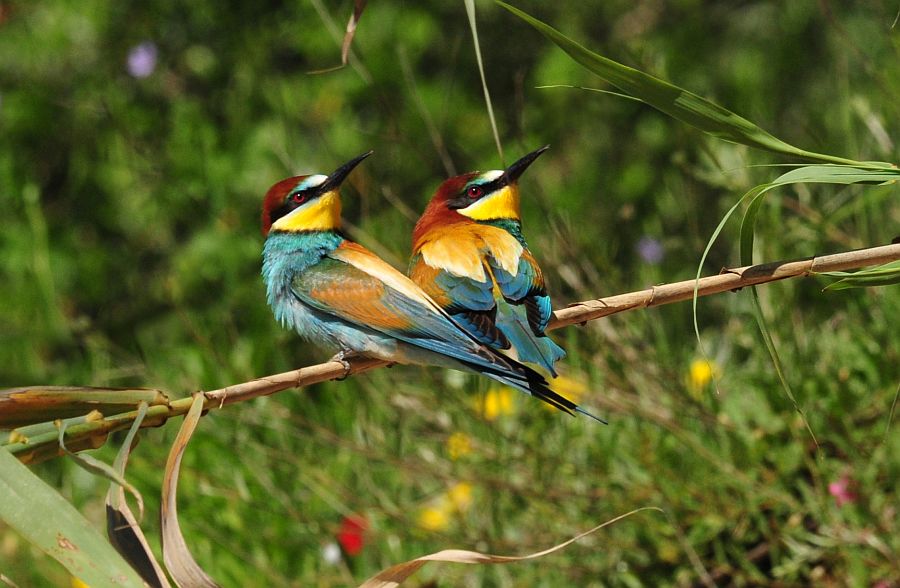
(351, 535)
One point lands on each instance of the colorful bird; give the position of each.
(470, 256)
(337, 293)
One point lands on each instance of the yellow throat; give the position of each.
(503, 203)
(322, 214)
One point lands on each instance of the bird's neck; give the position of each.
(287, 253)
(513, 226)
(436, 216)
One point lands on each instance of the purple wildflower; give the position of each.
(650, 250)
(142, 59)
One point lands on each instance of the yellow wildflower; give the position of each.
(436, 516)
(701, 373)
(458, 445)
(495, 403)
(433, 519)
(459, 496)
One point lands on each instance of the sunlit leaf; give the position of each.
(178, 559)
(395, 575)
(46, 519)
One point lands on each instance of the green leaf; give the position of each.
(41, 515)
(879, 275)
(677, 102)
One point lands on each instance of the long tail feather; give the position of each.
(531, 348)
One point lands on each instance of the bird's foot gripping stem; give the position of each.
(341, 357)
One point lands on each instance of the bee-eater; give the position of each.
(470, 256)
(337, 293)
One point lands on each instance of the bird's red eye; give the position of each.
(298, 198)
(474, 192)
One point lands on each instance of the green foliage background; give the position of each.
(130, 256)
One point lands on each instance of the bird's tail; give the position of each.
(528, 380)
(531, 348)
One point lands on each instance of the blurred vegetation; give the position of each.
(136, 143)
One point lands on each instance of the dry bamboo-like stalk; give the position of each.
(92, 434)
(582, 312)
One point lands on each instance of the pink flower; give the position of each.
(842, 490)
(351, 535)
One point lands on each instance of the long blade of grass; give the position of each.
(748, 224)
(178, 559)
(677, 102)
(47, 520)
(826, 174)
(470, 11)
(395, 575)
(122, 528)
(596, 90)
(880, 275)
(830, 174)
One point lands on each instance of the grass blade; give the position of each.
(808, 174)
(470, 11)
(46, 519)
(880, 275)
(677, 102)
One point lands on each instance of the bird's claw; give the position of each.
(341, 358)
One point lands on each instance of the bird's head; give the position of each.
(489, 195)
(307, 203)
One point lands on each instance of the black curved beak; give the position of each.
(513, 172)
(338, 176)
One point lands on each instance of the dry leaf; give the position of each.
(394, 575)
(122, 527)
(181, 565)
(358, 8)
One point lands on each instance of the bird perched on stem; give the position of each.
(337, 293)
(470, 256)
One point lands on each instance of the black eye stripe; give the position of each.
(486, 188)
(281, 211)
